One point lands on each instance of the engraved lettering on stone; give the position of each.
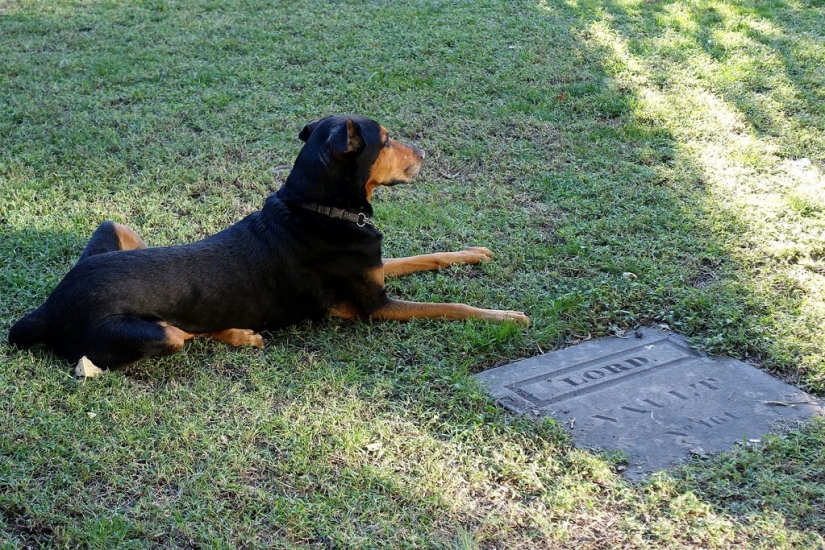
(655, 398)
(616, 368)
(714, 421)
(661, 401)
(707, 383)
(577, 380)
(570, 381)
(601, 372)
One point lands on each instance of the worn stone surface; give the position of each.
(652, 397)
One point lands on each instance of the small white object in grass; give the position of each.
(629, 275)
(87, 369)
(374, 447)
(802, 163)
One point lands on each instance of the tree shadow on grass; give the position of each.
(727, 314)
(738, 87)
(765, 61)
(639, 240)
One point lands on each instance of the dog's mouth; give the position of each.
(413, 170)
(410, 173)
(397, 163)
(415, 167)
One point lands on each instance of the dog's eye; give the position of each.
(387, 143)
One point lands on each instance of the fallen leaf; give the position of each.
(87, 369)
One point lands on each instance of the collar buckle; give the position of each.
(359, 219)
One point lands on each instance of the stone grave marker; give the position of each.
(649, 395)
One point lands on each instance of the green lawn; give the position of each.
(681, 141)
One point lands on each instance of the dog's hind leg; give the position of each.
(439, 260)
(109, 237)
(125, 339)
(34, 328)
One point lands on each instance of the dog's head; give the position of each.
(345, 158)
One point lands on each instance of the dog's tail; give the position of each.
(29, 331)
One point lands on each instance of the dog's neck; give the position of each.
(346, 195)
(294, 192)
(360, 219)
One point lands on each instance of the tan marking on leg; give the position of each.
(439, 260)
(400, 310)
(348, 311)
(237, 337)
(175, 336)
(232, 336)
(343, 311)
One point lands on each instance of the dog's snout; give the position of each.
(419, 152)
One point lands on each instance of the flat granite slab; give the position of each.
(652, 397)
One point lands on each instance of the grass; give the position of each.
(683, 142)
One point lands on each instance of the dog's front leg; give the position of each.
(439, 260)
(401, 310)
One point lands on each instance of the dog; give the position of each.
(312, 251)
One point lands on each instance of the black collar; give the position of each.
(360, 219)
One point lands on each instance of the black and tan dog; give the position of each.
(312, 251)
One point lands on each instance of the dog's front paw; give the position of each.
(516, 317)
(250, 338)
(239, 337)
(478, 254)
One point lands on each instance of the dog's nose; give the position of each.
(420, 152)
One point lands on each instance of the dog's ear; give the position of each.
(308, 129)
(346, 138)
